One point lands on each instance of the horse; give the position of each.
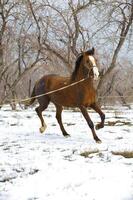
(78, 91)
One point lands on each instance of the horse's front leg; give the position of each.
(102, 116)
(90, 123)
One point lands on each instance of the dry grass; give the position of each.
(87, 153)
(126, 153)
(118, 122)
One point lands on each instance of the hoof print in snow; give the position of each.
(119, 138)
(70, 124)
(6, 148)
(53, 124)
(33, 171)
(13, 124)
(19, 170)
(7, 179)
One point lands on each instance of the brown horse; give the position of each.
(81, 95)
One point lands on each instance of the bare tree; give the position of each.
(47, 36)
(122, 15)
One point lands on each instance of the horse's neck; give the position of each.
(83, 74)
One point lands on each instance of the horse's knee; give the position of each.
(36, 109)
(40, 109)
(102, 116)
(91, 125)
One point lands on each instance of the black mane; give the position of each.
(77, 64)
(78, 61)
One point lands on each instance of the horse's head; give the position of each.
(89, 62)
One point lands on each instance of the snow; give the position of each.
(51, 167)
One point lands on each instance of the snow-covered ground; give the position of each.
(51, 167)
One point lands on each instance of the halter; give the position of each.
(89, 71)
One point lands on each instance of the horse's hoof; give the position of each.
(67, 136)
(42, 129)
(99, 126)
(99, 141)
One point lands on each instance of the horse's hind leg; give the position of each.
(90, 123)
(39, 111)
(59, 119)
(102, 116)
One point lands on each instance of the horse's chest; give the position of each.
(86, 96)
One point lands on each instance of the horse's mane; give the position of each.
(77, 65)
(78, 61)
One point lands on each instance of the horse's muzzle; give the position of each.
(95, 73)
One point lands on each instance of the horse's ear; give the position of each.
(91, 51)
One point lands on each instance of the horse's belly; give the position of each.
(73, 98)
(64, 100)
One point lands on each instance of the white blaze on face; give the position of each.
(95, 69)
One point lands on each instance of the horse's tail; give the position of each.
(32, 98)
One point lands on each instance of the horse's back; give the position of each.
(50, 83)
